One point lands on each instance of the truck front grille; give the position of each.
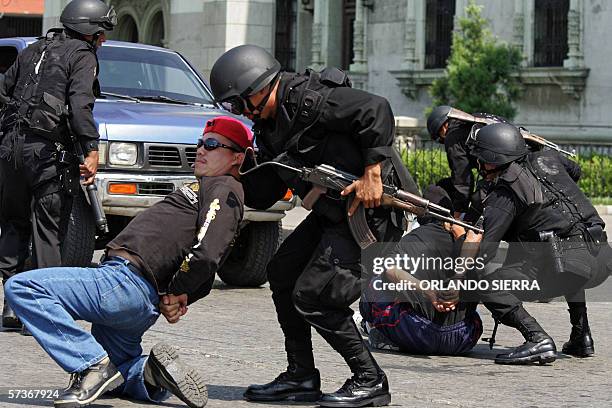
(191, 153)
(161, 189)
(167, 156)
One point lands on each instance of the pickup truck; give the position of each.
(151, 112)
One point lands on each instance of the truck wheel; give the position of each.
(253, 249)
(80, 238)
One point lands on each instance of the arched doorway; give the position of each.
(156, 30)
(127, 30)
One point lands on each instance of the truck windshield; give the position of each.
(149, 73)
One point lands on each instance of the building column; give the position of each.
(316, 61)
(575, 56)
(359, 67)
(326, 34)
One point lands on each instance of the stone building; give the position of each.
(396, 48)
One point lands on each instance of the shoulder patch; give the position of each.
(232, 200)
(190, 192)
(548, 165)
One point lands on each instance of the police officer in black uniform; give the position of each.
(39, 169)
(315, 276)
(453, 134)
(535, 198)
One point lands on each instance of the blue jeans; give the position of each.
(120, 304)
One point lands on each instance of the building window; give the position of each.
(550, 32)
(126, 29)
(439, 15)
(285, 45)
(348, 29)
(156, 35)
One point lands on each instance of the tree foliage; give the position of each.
(481, 75)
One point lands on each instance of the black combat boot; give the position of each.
(580, 343)
(9, 318)
(165, 370)
(367, 387)
(539, 347)
(86, 386)
(301, 382)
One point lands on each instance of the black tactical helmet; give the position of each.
(436, 119)
(498, 144)
(88, 17)
(242, 71)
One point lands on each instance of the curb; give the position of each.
(604, 209)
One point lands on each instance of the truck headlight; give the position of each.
(122, 154)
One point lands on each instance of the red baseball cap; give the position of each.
(231, 128)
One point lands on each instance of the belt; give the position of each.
(572, 238)
(124, 261)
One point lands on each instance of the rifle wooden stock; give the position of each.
(527, 135)
(390, 201)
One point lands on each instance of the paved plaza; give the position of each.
(233, 339)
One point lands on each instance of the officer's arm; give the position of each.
(219, 218)
(263, 188)
(500, 210)
(367, 117)
(82, 73)
(461, 169)
(572, 168)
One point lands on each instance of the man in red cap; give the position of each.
(157, 263)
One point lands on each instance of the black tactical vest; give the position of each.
(553, 201)
(41, 89)
(295, 131)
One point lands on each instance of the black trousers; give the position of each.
(582, 270)
(33, 208)
(315, 276)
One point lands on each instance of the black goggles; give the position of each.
(235, 105)
(212, 144)
(238, 103)
(107, 22)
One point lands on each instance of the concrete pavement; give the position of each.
(233, 339)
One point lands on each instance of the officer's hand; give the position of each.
(173, 307)
(368, 189)
(473, 237)
(456, 230)
(89, 169)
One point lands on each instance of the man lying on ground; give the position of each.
(421, 321)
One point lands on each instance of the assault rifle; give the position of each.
(529, 137)
(324, 177)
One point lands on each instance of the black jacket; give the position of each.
(183, 240)
(536, 195)
(354, 129)
(68, 72)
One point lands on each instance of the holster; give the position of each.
(68, 170)
(555, 249)
(594, 238)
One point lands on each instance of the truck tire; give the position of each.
(253, 249)
(80, 238)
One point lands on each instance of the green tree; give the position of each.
(481, 75)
